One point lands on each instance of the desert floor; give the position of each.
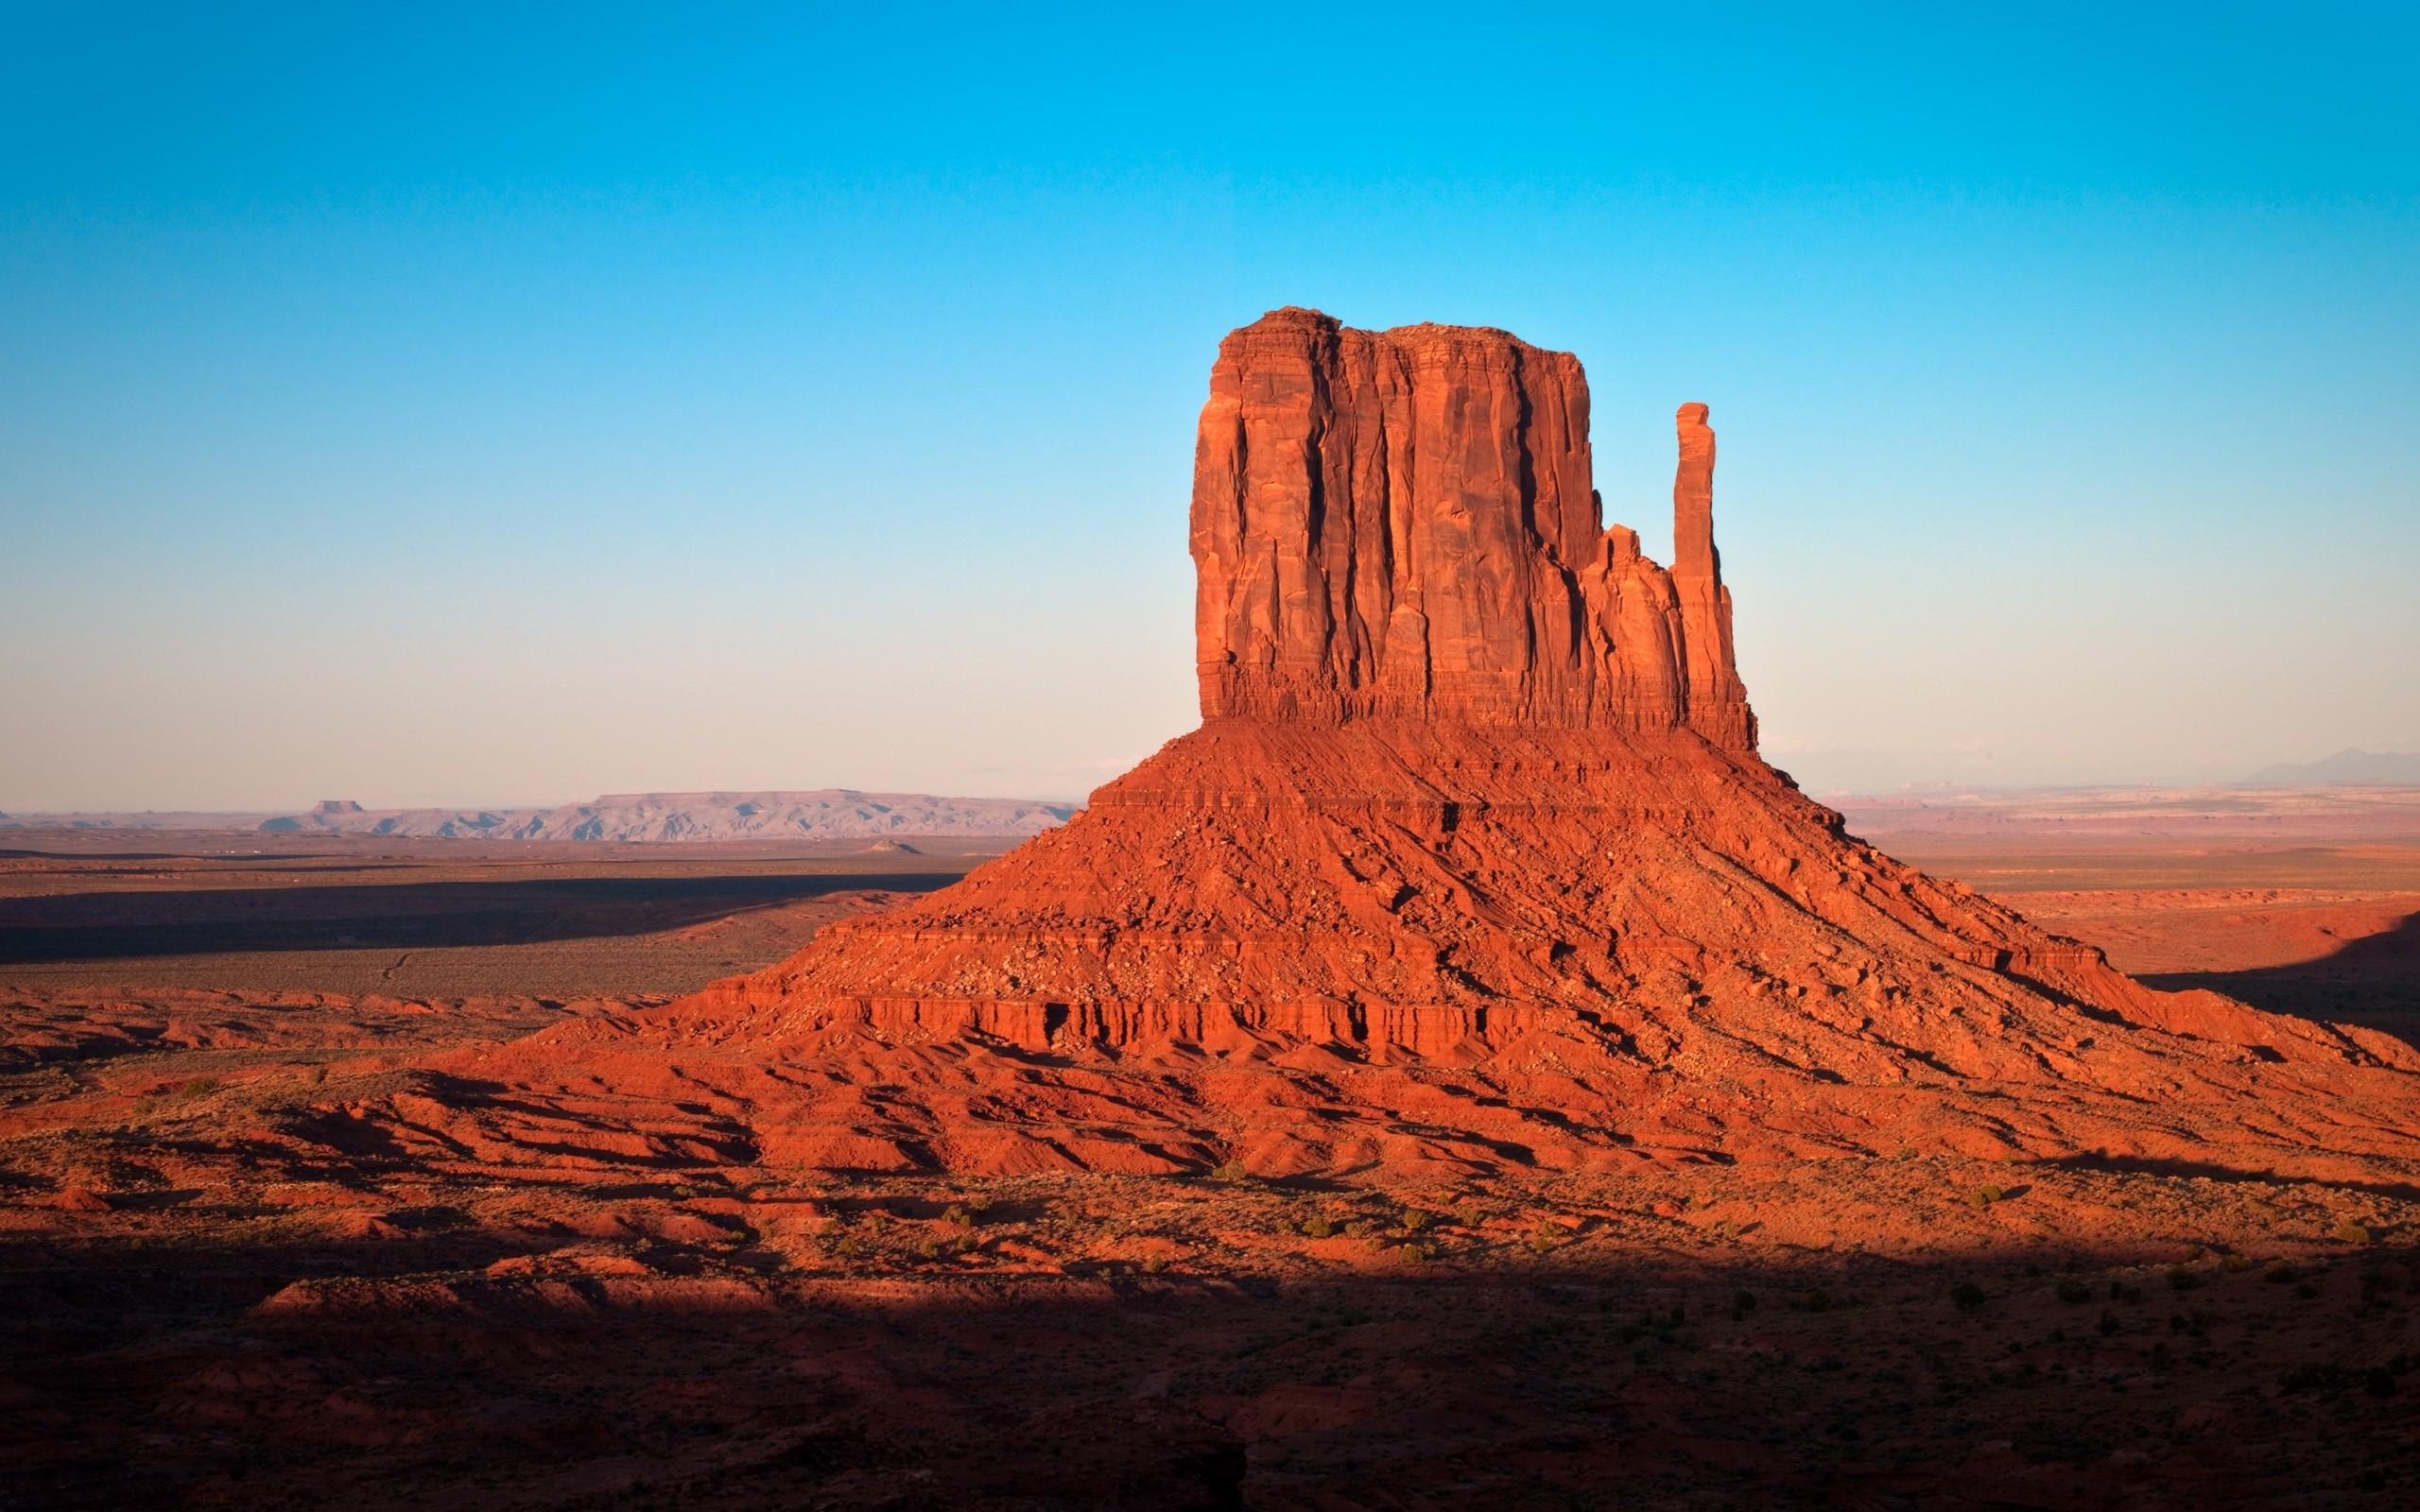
(200, 1306)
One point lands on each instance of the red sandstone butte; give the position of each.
(1471, 864)
(1405, 524)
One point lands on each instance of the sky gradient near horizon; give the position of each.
(498, 405)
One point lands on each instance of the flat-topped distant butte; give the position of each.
(1460, 1073)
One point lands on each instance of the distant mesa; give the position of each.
(2348, 767)
(895, 847)
(823, 814)
(1471, 864)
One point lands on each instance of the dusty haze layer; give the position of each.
(830, 812)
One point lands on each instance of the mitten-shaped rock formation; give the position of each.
(1470, 864)
(1405, 524)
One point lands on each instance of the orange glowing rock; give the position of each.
(1471, 864)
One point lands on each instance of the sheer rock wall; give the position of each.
(1404, 524)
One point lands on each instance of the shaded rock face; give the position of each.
(1471, 865)
(1405, 524)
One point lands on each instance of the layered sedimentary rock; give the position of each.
(1471, 863)
(1405, 523)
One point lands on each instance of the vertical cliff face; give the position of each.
(1405, 524)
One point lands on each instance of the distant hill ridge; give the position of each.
(2346, 765)
(829, 814)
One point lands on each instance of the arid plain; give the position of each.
(197, 1313)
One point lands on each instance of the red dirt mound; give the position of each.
(1471, 865)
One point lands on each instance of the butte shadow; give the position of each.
(131, 924)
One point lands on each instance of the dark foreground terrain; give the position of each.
(215, 1291)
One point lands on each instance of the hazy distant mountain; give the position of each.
(2347, 765)
(824, 813)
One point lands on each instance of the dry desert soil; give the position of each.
(199, 1305)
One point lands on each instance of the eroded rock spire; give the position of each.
(1716, 700)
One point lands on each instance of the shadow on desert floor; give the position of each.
(469, 1364)
(109, 926)
(2373, 980)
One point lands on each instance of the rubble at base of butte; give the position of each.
(1472, 865)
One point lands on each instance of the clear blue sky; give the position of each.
(415, 403)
